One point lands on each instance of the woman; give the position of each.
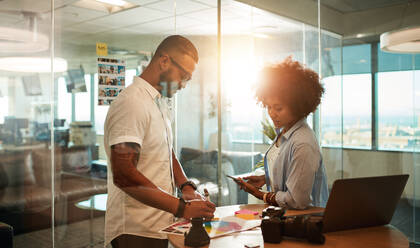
(294, 172)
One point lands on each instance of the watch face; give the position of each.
(193, 185)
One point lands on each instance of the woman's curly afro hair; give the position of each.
(289, 79)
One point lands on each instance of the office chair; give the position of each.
(6, 235)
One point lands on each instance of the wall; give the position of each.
(365, 163)
(362, 163)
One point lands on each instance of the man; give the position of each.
(144, 169)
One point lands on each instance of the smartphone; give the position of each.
(234, 178)
(251, 245)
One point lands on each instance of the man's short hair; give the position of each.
(178, 44)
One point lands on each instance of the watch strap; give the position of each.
(181, 208)
(190, 183)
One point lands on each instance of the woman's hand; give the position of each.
(256, 181)
(247, 187)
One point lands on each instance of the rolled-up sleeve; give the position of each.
(303, 166)
(128, 124)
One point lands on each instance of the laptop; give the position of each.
(362, 202)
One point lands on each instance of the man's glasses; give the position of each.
(186, 76)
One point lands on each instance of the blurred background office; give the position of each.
(52, 160)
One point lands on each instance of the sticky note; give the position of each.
(246, 216)
(246, 211)
(101, 49)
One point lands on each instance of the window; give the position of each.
(346, 107)
(4, 110)
(357, 117)
(398, 80)
(64, 103)
(397, 121)
(4, 99)
(100, 111)
(331, 111)
(395, 118)
(396, 106)
(82, 102)
(241, 112)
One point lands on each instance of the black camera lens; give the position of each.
(271, 230)
(274, 226)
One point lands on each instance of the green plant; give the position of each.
(268, 129)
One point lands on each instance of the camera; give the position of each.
(275, 226)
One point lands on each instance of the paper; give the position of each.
(178, 228)
(229, 225)
(214, 228)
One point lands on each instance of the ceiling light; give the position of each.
(260, 35)
(32, 64)
(402, 41)
(113, 2)
(19, 41)
(107, 6)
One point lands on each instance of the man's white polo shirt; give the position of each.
(135, 117)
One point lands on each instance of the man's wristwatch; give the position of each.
(190, 183)
(181, 208)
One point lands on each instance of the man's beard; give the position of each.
(168, 85)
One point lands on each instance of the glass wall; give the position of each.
(27, 118)
(53, 165)
(378, 103)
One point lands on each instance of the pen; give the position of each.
(206, 194)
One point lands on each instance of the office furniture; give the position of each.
(378, 236)
(26, 191)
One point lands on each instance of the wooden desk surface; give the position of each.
(381, 236)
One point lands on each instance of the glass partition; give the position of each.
(378, 106)
(27, 119)
(332, 106)
(131, 36)
(195, 115)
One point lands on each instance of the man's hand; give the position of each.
(257, 181)
(199, 208)
(189, 193)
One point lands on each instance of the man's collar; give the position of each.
(154, 93)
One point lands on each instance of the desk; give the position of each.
(13, 148)
(381, 236)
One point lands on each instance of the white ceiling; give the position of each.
(193, 17)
